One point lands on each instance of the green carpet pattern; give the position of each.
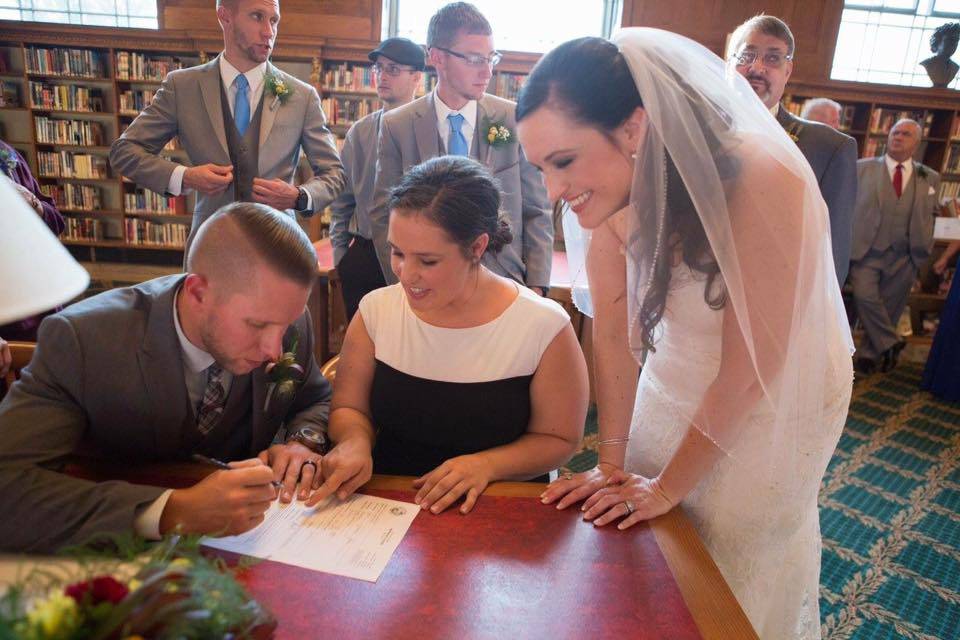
(889, 514)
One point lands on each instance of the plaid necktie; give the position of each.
(898, 180)
(211, 407)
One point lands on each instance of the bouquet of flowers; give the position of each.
(170, 591)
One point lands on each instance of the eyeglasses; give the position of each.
(392, 70)
(773, 60)
(475, 60)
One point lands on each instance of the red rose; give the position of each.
(101, 589)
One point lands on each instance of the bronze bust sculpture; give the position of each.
(943, 43)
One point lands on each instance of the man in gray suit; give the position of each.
(398, 67)
(259, 117)
(761, 50)
(162, 370)
(892, 238)
(455, 119)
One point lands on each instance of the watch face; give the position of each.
(311, 437)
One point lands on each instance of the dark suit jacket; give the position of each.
(107, 378)
(833, 157)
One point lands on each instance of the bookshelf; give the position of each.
(869, 111)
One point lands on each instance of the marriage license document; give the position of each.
(355, 537)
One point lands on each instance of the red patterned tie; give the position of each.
(898, 180)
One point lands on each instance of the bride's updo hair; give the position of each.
(458, 195)
(589, 81)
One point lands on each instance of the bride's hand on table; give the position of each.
(570, 488)
(627, 494)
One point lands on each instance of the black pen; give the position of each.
(220, 464)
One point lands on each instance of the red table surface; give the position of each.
(513, 568)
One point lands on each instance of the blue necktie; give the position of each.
(241, 110)
(456, 143)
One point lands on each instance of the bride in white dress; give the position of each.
(709, 262)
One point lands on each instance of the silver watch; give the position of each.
(311, 438)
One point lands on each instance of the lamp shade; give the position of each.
(36, 272)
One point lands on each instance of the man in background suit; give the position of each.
(822, 110)
(398, 68)
(259, 117)
(761, 50)
(453, 120)
(159, 371)
(892, 238)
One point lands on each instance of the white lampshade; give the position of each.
(36, 272)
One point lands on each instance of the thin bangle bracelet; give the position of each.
(613, 441)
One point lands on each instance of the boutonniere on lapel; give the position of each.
(279, 89)
(8, 162)
(794, 132)
(498, 135)
(921, 171)
(285, 376)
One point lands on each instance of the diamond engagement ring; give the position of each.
(629, 506)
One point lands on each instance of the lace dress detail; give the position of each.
(764, 537)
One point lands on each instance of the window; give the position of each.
(530, 25)
(108, 13)
(885, 40)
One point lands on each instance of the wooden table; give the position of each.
(511, 562)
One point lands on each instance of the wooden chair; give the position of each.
(329, 368)
(21, 352)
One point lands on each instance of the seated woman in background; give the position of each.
(454, 374)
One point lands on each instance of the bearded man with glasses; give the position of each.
(455, 119)
(398, 65)
(761, 50)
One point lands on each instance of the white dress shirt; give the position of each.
(228, 74)
(469, 113)
(195, 361)
(892, 167)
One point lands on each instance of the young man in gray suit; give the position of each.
(892, 238)
(259, 117)
(454, 119)
(162, 370)
(761, 50)
(398, 68)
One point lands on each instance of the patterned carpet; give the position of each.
(890, 514)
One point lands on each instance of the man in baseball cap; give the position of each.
(398, 64)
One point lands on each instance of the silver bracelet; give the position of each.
(613, 441)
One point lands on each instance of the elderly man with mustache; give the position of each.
(761, 50)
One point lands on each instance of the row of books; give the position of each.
(882, 120)
(949, 190)
(155, 233)
(65, 62)
(88, 229)
(346, 111)
(65, 97)
(82, 197)
(348, 76)
(64, 164)
(874, 147)
(146, 201)
(952, 165)
(79, 132)
(508, 85)
(9, 94)
(137, 66)
(955, 129)
(135, 99)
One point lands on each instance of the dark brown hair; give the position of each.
(453, 18)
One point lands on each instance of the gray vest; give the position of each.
(244, 151)
(232, 436)
(895, 216)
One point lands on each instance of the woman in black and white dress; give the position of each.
(455, 374)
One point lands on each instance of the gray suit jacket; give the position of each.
(187, 105)
(107, 379)
(409, 136)
(359, 157)
(833, 157)
(874, 177)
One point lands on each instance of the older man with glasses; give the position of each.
(398, 65)
(761, 50)
(456, 119)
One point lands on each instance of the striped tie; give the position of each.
(211, 407)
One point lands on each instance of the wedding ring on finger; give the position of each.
(312, 463)
(629, 506)
(566, 476)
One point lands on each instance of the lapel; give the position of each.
(882, 179)
(268, 115)
(161, 370)
(425, 129)
(784, 117)
(919, 190)
(485, 113)
(258, 419)
(210, 84)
